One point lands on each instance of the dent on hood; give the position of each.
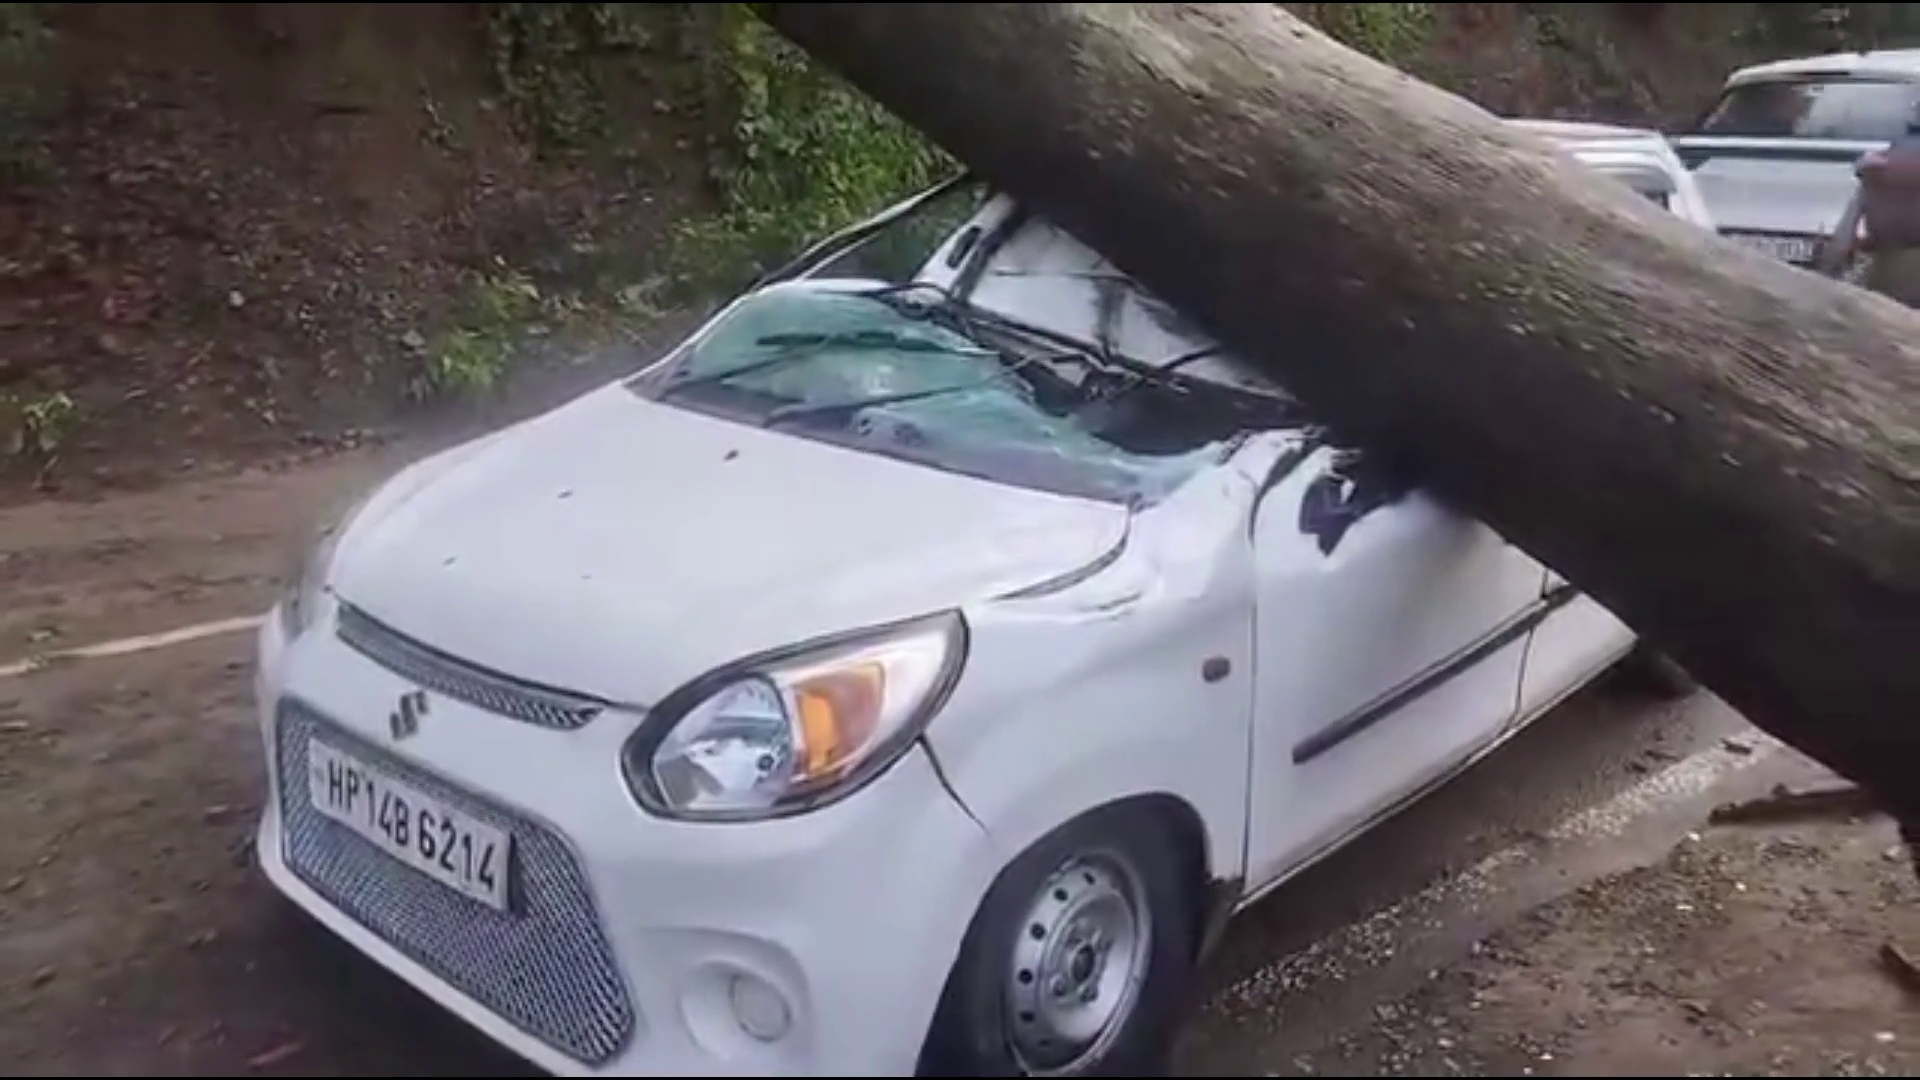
(1168, 552)
(1066, 580)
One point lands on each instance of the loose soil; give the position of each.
(1748, 952)
(236, 234)
(136, 935)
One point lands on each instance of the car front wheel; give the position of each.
(1076, 963)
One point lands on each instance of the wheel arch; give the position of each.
(1185, 829)
(1204, 880)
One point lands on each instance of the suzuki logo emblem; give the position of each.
(407, 714)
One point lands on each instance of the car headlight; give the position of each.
(793, 730)
(306, 584)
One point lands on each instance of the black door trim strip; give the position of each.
(1429, 680)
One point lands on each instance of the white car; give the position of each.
(1774, 156)
(1641, 158)
(908, 674)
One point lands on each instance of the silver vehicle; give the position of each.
(1774, 156)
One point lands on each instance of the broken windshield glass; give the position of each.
(793, 347)
(845, 362)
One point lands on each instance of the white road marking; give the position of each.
(138, 643)
(1374, 939)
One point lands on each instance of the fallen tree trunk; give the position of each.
(1722, 449)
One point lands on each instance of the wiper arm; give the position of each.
(863, 339)
(797, 346)
(1186, 358)
(708, 378)
(854, 405)
(923, 299)
(799, 410)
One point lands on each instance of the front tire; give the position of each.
(1078, 960)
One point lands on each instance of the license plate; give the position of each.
(1793, 249)
(453, 848)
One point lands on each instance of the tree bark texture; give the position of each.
(1722, 449)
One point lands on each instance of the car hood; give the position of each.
(618, 547)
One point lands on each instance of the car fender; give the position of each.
(1135, 680)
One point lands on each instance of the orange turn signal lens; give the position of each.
(839, 712)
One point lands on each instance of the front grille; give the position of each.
(545, 967)
(426, 666)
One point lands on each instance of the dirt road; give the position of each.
(1526, 917)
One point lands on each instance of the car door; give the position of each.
(1390, 635)
(1577, 641)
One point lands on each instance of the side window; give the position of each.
(1659, 194)
(898, 249)
(1648, 182)
(1820, 107)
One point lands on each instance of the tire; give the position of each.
(1012, 1007)
(1652, 672)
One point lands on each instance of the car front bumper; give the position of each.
(637, 946)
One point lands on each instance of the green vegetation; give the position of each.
(22, 41)
(1819, 27)
(32, 428)
(792, 150)
(472, 355)
(31, 425)
(22, 34)
(800, 151)
(552, 62)
(1394, 33)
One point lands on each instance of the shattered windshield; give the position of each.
(910, 373)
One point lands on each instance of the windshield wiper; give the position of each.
(799, 345)
(861, 339)
(801, 409)
(926, 300)
(854, 405)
